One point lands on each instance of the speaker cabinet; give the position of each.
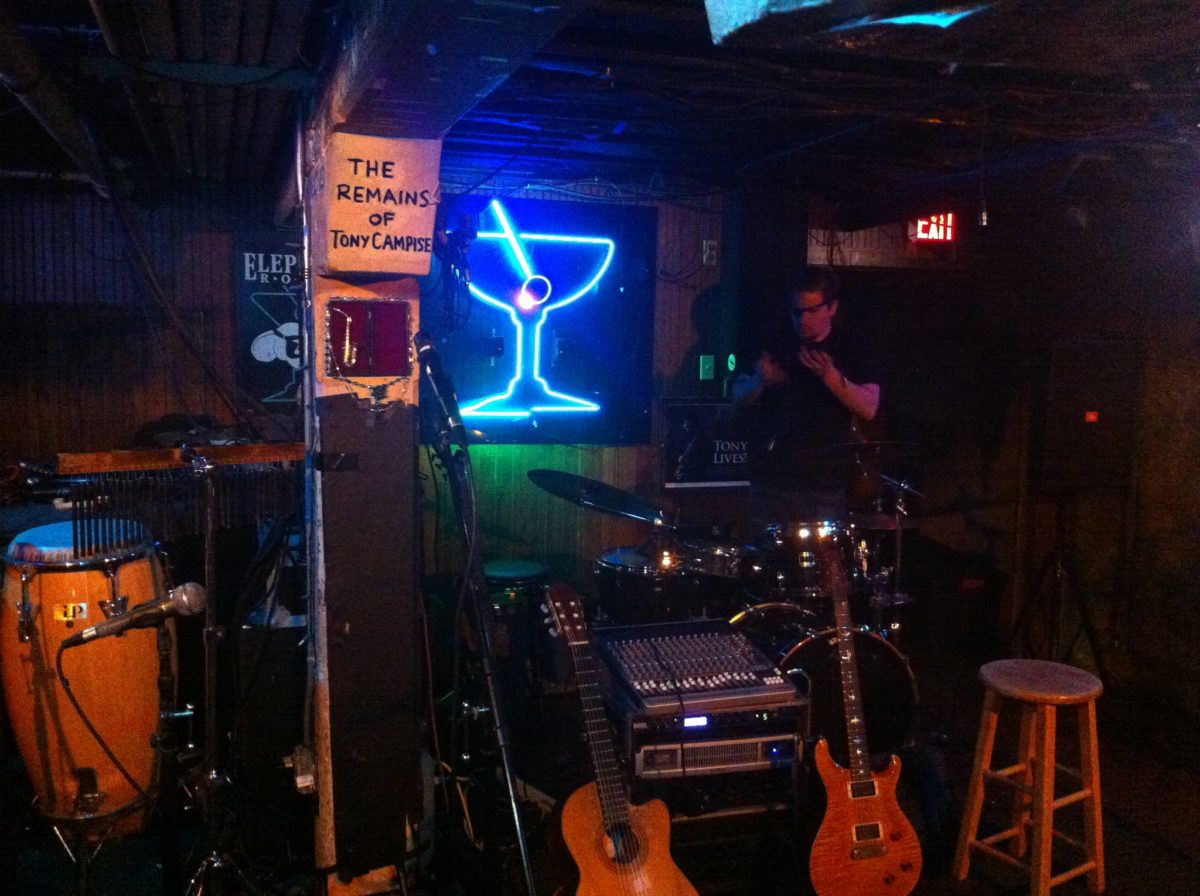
(1090, 410)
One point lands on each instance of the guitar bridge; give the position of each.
(868, 852)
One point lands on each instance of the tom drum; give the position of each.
(631, 588)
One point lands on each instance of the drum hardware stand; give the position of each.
(1060, 564)
(169, 804)
(458, 464)
(893, 596)
(81, 856)
(210, 874)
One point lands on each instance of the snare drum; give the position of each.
(49, 595)
(794, 638)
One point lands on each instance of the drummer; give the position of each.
(819, 391)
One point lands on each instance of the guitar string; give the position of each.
(588, 692)
(604, 757)
(834, 582)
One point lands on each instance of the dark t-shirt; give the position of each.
(801, 416)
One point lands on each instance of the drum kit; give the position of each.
(769, 586)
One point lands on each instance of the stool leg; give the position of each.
(1089, 767)
(974, 803)
(1043, 799)
(1022, 799)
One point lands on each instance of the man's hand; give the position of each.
(821, 364)
(770, 370)
(861, 400)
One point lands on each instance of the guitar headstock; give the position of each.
(566, 612)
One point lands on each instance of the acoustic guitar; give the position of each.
(865, 845)
(619, 848)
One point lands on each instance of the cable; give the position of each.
(87, 723)
(678, 688)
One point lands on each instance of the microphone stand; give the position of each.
(462, 491)
(215, 863)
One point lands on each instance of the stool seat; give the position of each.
(1040, 681)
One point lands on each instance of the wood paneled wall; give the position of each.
(86, 358)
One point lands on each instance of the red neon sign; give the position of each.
(935, 229)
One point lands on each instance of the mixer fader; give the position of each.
(700, 662)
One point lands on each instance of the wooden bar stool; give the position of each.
(1040, 687)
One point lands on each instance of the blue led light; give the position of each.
(695, 721)
(929, 19)
(527, 302)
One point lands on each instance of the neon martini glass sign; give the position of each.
(527, 276)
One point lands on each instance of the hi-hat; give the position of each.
(879, 521)
(596, 495)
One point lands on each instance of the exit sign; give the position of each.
(935, 229)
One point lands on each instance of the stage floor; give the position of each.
(1150, 795)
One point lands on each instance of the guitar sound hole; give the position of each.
(625, 844)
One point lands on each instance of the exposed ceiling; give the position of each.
(627, 91)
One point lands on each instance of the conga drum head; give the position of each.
(49, 594)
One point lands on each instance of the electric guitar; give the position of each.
(619, 848)
(865, 845)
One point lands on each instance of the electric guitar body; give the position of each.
(646, 869)
(866, 846)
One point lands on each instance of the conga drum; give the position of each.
(49, 594)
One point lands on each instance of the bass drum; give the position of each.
(810, 659)
(48, 596)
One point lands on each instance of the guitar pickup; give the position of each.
(869, 830)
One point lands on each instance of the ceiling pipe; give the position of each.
(21, 72)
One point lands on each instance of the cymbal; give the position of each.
(859, 452)
(596, 495)
(880, 521)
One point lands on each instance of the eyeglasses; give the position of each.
(811, 309)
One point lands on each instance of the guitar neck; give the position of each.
(614, 801)
(856, 729)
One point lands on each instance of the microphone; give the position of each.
(186, 600)
(443, 389)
